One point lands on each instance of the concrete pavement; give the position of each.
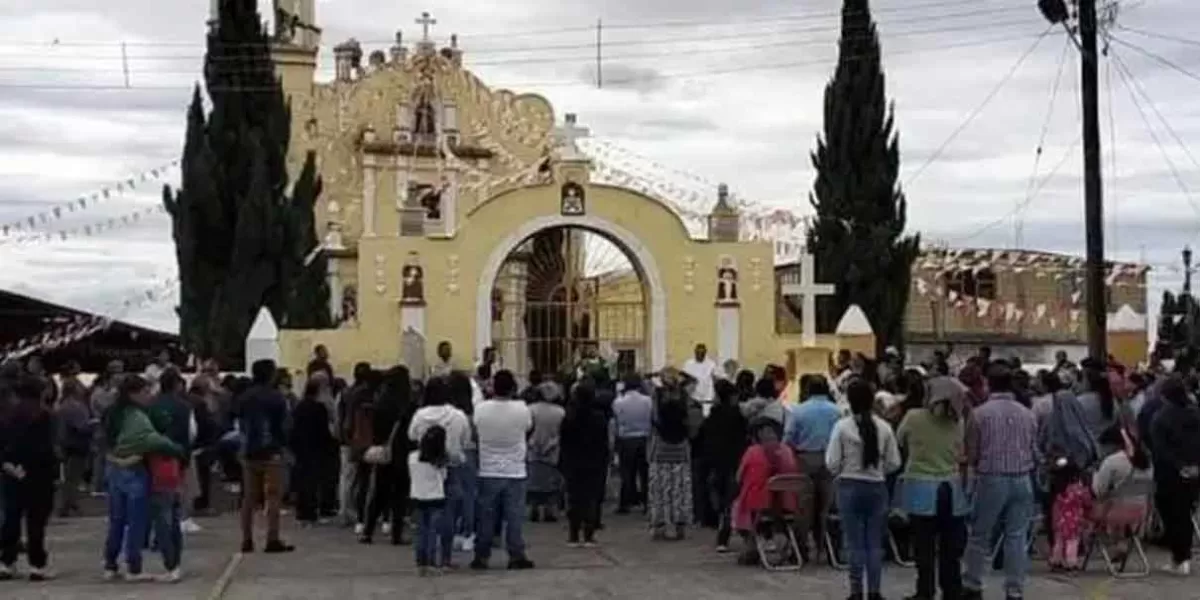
(329, 564)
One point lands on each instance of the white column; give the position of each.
(262, 343)
(369, 196)
(335, 291)
(729, 333)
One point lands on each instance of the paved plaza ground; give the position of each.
(329, 564)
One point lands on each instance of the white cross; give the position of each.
(425, 21)
(808, 290)
(569, 133)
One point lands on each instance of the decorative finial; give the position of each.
(425, 22)
(454, 40)
(723, 195)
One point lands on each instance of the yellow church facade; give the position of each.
(436, 187)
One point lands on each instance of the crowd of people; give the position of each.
(948, 461)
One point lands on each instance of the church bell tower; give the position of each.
(295, 42)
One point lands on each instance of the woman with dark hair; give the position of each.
(130, 437)
(1175, 435)
(670, 489)
(387, 468)
(745, 385)
(462, 397)
(311, 442)
(1122, 486)
(1099, 405)
(28, 469)
(724, 435)
(584, 460)
(862, 452)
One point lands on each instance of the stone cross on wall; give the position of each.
(568, 135)
(425, 22)
(808, 290)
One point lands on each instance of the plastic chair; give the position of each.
(1132, 521)
(799, 487)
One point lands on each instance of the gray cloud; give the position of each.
(740, 102)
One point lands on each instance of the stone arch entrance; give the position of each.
(644, 345)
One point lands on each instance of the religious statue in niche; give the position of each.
(429, 198)
(497, 305)
(424, 125)
(412, 281)
(727, 281)
(573, 200)
(350, 304)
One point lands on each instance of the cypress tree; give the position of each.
(857, 235)
(240, 239)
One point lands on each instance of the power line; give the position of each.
(1029, 200)
(629, 26)
(641, 78)
(509, 61)
(940, 27)
(1133, 87)
(1157, 57)
(979, 109)
(1161, 36)
(1037, 157)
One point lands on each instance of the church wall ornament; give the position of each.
(380, 274)
(689, 274)
(727, 282)
(573, 200)
(452, 273)
(412, 281)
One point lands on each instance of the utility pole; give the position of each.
(1097, 305)
(599, 67)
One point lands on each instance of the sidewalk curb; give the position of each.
(226, 578)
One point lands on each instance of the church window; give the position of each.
(969, 283)
(424, 124)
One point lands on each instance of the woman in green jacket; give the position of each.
(130, 436)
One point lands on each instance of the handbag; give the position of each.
(382, 454)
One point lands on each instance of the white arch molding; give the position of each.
(625, 239)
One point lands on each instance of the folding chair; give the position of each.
(799, 487)
(833, 537)
(1133, 522)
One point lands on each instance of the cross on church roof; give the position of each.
(569, 133)
(808, 290)
(425, 22)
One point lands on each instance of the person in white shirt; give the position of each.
(427, 488)
(436, 411)
(702, 369)
(502, 425)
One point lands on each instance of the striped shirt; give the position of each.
(1002, 437)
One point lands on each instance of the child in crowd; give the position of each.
(1072, 504)
(427, 471)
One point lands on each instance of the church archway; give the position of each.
(562, 287)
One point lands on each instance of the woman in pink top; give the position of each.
(762, 461)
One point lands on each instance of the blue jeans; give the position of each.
(463, 512)
(429, 529)
(507, 496)
(862, 506)
(168, 532)
(1006, 499)
(447, 527)
(128, 505)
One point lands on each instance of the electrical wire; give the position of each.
(1037, 156)
(588, 59)
(1134, 88)
(1161, 36)
(546, 32)
(640, 78)
(980, 108)
(1157, 57)
(1025, 204)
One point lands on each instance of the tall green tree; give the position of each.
(857, 235)
(241, 241)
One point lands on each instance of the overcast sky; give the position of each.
(694, 92)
